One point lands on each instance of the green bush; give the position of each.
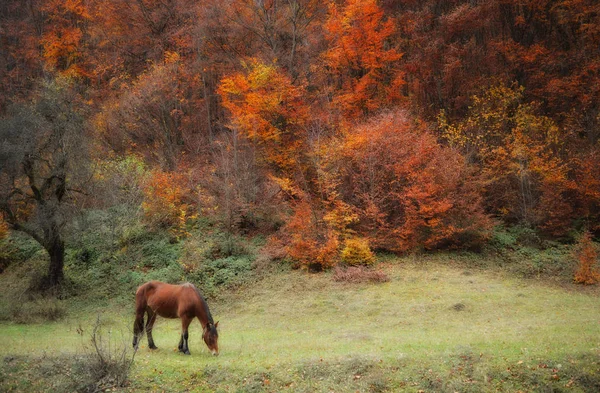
(159, 253)
(511, 238)
(104, 268)
(135, 234)
(225, 245)
(172, 274)
(526, 236)
(502, 239)
(224, 272)
(18, 247)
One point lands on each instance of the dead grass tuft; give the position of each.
(359, 274)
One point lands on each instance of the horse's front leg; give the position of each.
(149, 326)
(183, 342)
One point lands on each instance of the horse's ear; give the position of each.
(216, 324)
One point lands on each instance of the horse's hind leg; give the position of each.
(138, 328)
(183, 343)
(149, 326)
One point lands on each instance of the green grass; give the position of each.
(432, 327)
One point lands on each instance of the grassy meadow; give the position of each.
(435, 326)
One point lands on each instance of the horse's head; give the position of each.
(211, 337)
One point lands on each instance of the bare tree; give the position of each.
(43, 167)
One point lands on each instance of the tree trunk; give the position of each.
(56, 250)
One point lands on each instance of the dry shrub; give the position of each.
(109, 362)
(358, 274)
(356, 251)
(102, 366)
(586, 253)
(272, 252)
(32, 311)
(26, 300)
(235, 190)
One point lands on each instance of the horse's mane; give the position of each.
(208, 314)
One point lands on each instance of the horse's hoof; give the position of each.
(153, 347)
(187, 353)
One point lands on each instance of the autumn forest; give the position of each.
(336, 129)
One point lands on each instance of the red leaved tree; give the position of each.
(409, 191)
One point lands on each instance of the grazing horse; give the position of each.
(173, 301)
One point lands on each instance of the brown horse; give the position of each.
(173, 301)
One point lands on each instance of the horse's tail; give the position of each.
(141, 304)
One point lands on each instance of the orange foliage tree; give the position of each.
(168, 202)
(130, 36)
(407, 190)
(586, 253)
(319, 231)
(63, 41)
(310, 240)
(268, 109)
(361, 57)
